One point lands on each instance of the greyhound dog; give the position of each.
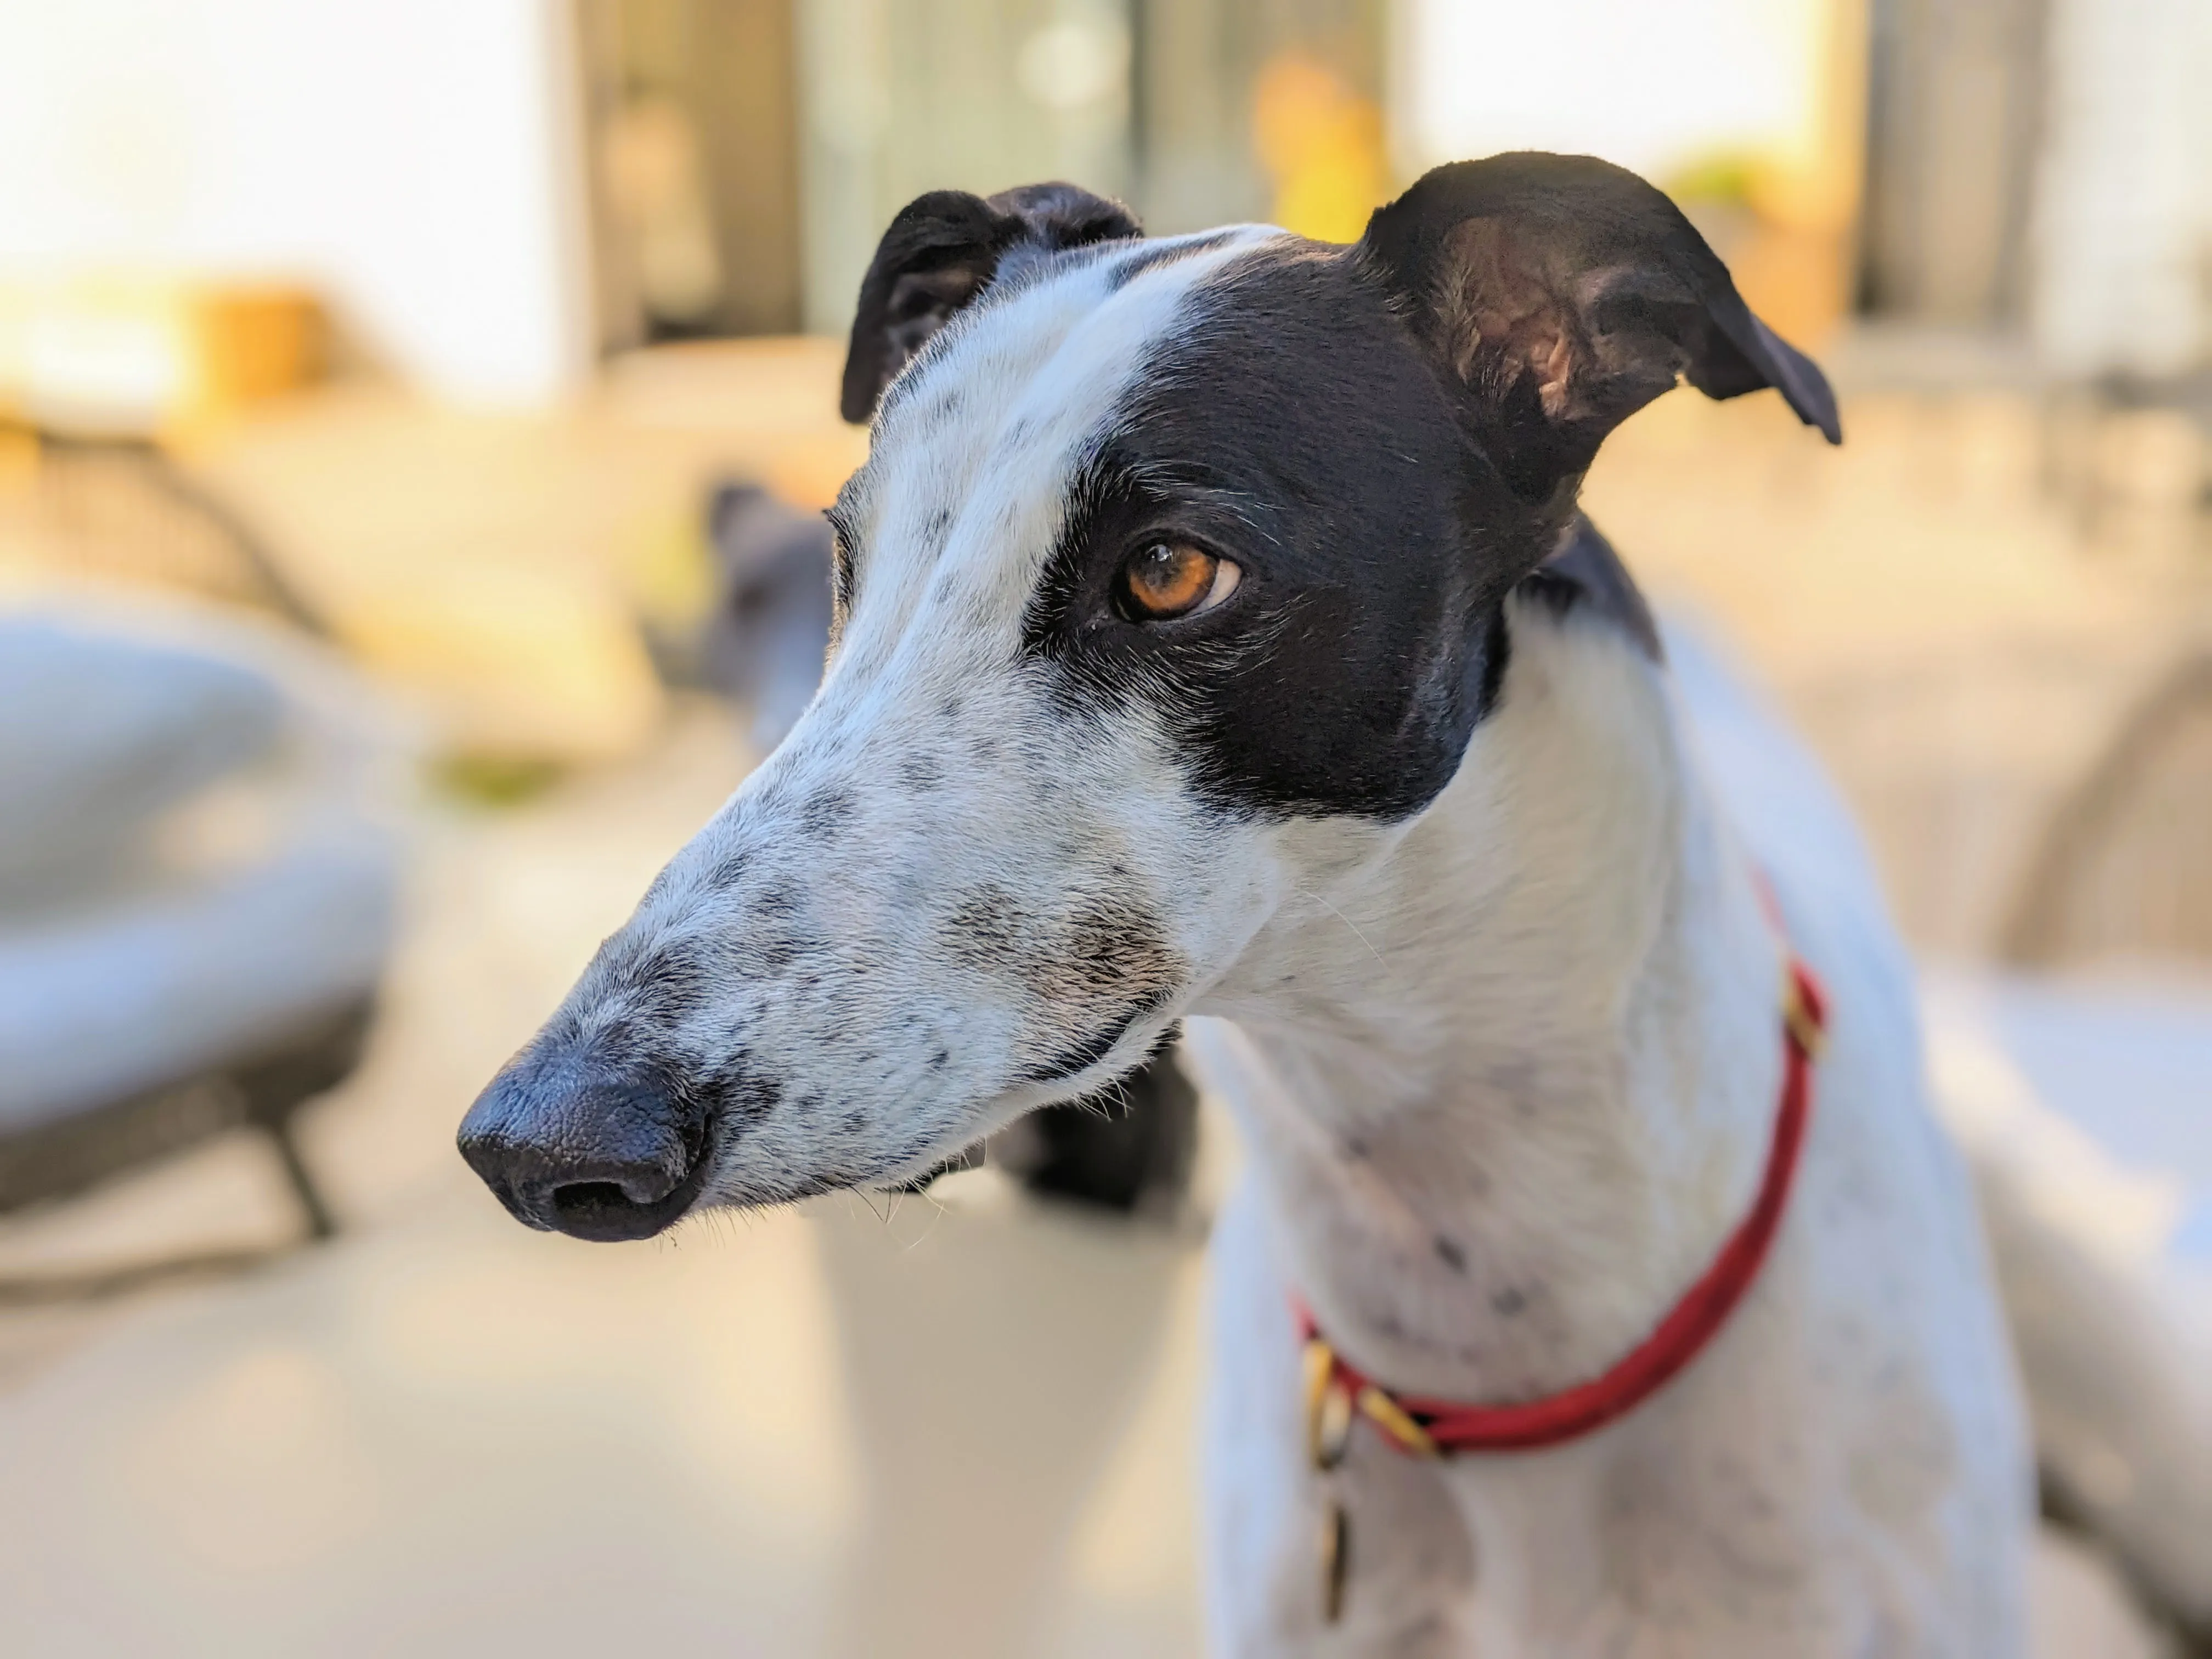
(1218, 638)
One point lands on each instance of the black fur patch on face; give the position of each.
(986, 928)
(1127, 267)
(1292, 424)
(667, 987)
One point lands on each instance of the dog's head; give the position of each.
(1174, 582)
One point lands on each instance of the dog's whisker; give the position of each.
(1308, 892)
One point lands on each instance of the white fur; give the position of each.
(1539, 1023)
(1567, 1060)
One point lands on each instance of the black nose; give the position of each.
(578, 1149)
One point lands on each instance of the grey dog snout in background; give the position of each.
(764, 644)
(762, 649)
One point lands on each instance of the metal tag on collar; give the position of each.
(1328, 1407)
(1394, 1420)
(1799, 1017)
(1330, 1418)
(1335, 1561)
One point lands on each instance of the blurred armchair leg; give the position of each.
(276, 1089)
(315, 1209)
(57, 1161)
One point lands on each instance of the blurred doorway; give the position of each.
(1197, 112)
(691, 125)
(1267, 110)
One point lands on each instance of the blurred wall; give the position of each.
(1653, 88)
(2122, 231)
(413, 160)
(1750, 113)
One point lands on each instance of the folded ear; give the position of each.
(1559, 295)
(942, 251)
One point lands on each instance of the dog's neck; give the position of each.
(1508, 1082)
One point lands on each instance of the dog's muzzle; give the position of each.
(572, 1148)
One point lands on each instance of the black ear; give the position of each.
(1558, 295)
(943, 250)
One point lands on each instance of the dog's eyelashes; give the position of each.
(1166, 579)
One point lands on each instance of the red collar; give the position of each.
(1337, 1393)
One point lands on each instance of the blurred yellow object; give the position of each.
(1322, 145)
(671, 570)
(1794, 202)
(809, 472)
(19, 459)
(514, 662)
(146, 356)
(1799, 281)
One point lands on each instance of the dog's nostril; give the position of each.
(609, 1210)
(592, 1202)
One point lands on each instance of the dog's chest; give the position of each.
(1802, 1485)
(1704, 1527)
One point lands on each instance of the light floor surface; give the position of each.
(964, 1426)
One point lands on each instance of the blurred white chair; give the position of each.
(197, 881)
(2086, 1110)
(2086, 1105)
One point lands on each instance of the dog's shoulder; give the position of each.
(1585, 573)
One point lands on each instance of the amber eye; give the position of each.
(1174, 578)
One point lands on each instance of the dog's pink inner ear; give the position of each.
(1504, 316)
(1499, 318)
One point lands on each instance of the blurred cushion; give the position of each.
(101, 733)
(95, 1008)
(2084, 1109)
(250, 780)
